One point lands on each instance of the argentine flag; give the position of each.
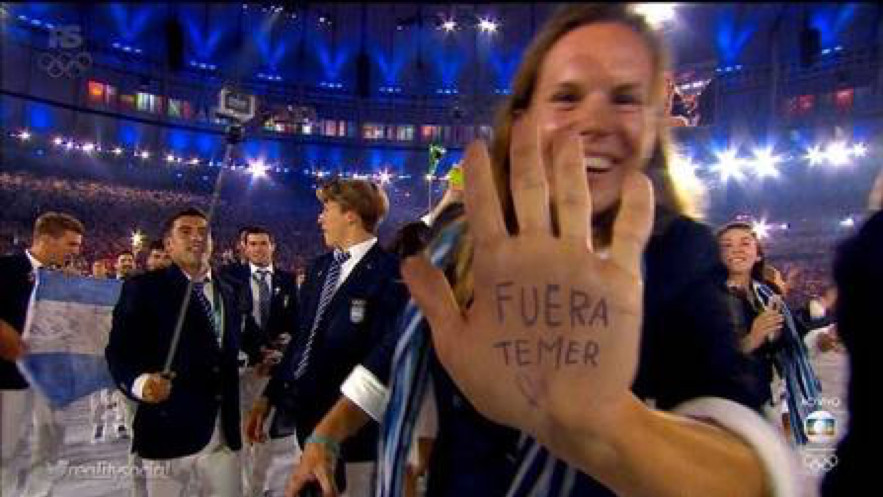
(68, 325)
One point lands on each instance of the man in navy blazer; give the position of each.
(56, 238)
(268, 303)
(331, 382)
(187, 419)
(261, 330)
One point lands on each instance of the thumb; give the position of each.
(299, 482)
(327, 484)
(433, 294)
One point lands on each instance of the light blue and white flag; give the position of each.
(67, 329)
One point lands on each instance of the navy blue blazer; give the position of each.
(359, 327)
(688, 350)
(16, 284)
(283, 307)
(207, 376)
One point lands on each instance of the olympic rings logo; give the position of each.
(817, 463)
(65, 64)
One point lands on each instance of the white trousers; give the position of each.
(48, 442)
(21, 410)
(359, 479)
(139, 482)
(15, 411)
(213, 473)
(256, 459)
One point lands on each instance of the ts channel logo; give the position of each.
(65, 57)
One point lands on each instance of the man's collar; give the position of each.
(206, 279)
(254, 268)
(35, 264)
(359, 250)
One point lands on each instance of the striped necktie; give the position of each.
(206, 306)
(263, 297)
(328, 289)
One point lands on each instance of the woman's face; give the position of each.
(596, 81)
(738, 251)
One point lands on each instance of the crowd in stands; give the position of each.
(112, 212)
(804, 258)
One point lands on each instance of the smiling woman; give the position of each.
(765, 328)
(561, 207)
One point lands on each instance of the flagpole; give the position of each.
(429, 192)
(234, 136)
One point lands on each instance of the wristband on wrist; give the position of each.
(329, 443)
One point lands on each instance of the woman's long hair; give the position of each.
(668, 191)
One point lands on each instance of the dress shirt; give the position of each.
(357, 253)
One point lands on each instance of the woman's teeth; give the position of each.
(598, 164)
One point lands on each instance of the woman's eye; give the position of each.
(565, 97)
(626, 99)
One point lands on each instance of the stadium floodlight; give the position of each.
(656, 14)
(815, 155)
(859, 150)
(765, 163)
(761, 229)
(728, 166)
(384, 177)
(257, 169)
(837, 154)
(488, 26)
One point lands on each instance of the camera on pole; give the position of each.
(238, 108)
